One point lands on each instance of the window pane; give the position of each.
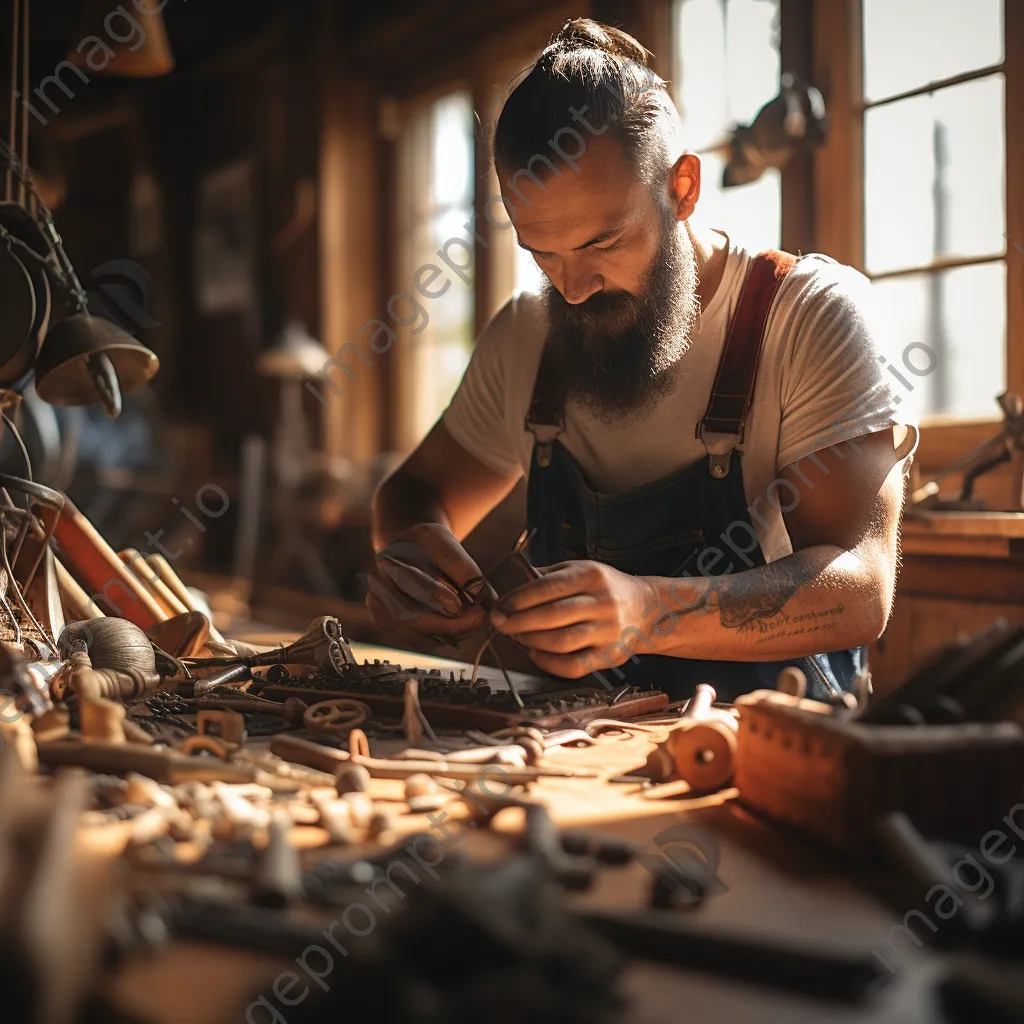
(752, 213)
(960, 315)
(934, 171)
(909, 43)
(729, 67)
(438, 333)
(450, 331)
(452, 148)
(528, 276)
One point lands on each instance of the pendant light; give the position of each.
(128, 45)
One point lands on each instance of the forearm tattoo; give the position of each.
(754, 601)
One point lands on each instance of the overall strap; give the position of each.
(545, 418)
(724, 422)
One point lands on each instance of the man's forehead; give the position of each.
(572, 206)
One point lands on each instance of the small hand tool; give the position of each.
(700, 749)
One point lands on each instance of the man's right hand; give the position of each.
(415, 586)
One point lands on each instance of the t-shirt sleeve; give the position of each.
(836, 386)
(479, 416)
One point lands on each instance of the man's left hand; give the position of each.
(574, 618)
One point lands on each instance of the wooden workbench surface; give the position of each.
(775, 886)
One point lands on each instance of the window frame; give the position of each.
(836, 30)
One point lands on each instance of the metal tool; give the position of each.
(326, 759)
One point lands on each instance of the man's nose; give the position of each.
(579, 285)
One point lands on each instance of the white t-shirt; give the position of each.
(821, 381)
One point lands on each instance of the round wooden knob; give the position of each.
(704, 754)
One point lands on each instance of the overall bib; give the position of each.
(661, 528)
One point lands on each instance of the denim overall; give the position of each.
(660, 528)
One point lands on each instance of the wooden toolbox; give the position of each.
(832, 779)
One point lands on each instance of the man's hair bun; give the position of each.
(594, 75)
(587, 34)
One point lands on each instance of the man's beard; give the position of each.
(615, 352)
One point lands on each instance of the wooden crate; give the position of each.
(832, 779)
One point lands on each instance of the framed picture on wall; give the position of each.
(225, 257)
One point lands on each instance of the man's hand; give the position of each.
(416, 583)
(578, 612)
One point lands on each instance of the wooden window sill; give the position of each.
(970, 534)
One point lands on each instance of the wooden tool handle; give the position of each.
(94, 563)
(77, 603)
(144, 572)
(163, 571)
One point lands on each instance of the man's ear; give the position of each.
(684, 185)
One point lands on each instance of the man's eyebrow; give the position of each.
(602, 237)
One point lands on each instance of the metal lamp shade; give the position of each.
(90, 50)
(82, 353)
(295, 353)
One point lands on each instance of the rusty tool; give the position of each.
(230, 676)
(327, 759)
(161, 765)
(322, 646)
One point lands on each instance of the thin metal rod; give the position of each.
(13, 618)
(944, 83)
(9, 423)
(513, 689)
(508, 680)
(12, 130)
(29, 522)
(19, 538)
(22, 194)
(21, 597)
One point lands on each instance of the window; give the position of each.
(727, 67)
(437, 202)
(528, 276)
(935, 196)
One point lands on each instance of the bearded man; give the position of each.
(715, 465)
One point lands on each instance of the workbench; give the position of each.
(774, 886)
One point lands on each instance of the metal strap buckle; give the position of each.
(544, 435)
(720, 465)
(719, 448)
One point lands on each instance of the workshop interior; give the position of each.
(248, 251)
